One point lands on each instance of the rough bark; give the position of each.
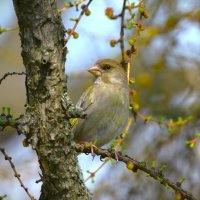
(45, 123)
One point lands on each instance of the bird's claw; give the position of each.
(117, 156)
(91, 146)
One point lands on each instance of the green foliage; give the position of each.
(3, 196)
(5, 117)
(142, 164)
(2, 30)
(163, 168)
(181, 180)
(153, 164)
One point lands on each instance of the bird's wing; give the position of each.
(84, 102)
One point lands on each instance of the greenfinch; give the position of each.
(106, 104)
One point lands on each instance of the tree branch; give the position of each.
(122, 32)
(11, 74)
(135, 165)
(76, 23)
(17, 175)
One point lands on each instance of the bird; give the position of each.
(105, 103)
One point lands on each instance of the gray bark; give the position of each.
(44, 123)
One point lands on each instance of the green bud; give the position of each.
(131, 41)
(87, 12)
(75, 35)
(112, 43)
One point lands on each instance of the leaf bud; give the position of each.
(75, 35)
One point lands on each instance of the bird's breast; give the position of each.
(106, 117)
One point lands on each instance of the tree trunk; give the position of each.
(47, 129)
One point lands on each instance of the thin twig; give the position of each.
(92, 174)
(135, 165)
(17, 175)
(3, 30)
(137, 27)
(123, 135)
(128, 71)
(11, 74)
(76, 23)
(12, 29)
(122, 32)
(76, 3)
(167, 124)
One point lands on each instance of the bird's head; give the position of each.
(109, 70)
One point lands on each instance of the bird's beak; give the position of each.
(95, 70)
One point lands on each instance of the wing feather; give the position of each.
(84, 102)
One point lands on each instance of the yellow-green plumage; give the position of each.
(106, 104)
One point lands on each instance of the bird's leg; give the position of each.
(89, 145)
(116, 156)
(116, 146)
(116, 152)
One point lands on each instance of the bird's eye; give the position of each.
(106, 67)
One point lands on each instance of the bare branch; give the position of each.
(92, 174)
(70, 5)
(135, 165)
(76, 23)
(11, 74)
(17, 175)
(122, 32)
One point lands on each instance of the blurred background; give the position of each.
(166, 70)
